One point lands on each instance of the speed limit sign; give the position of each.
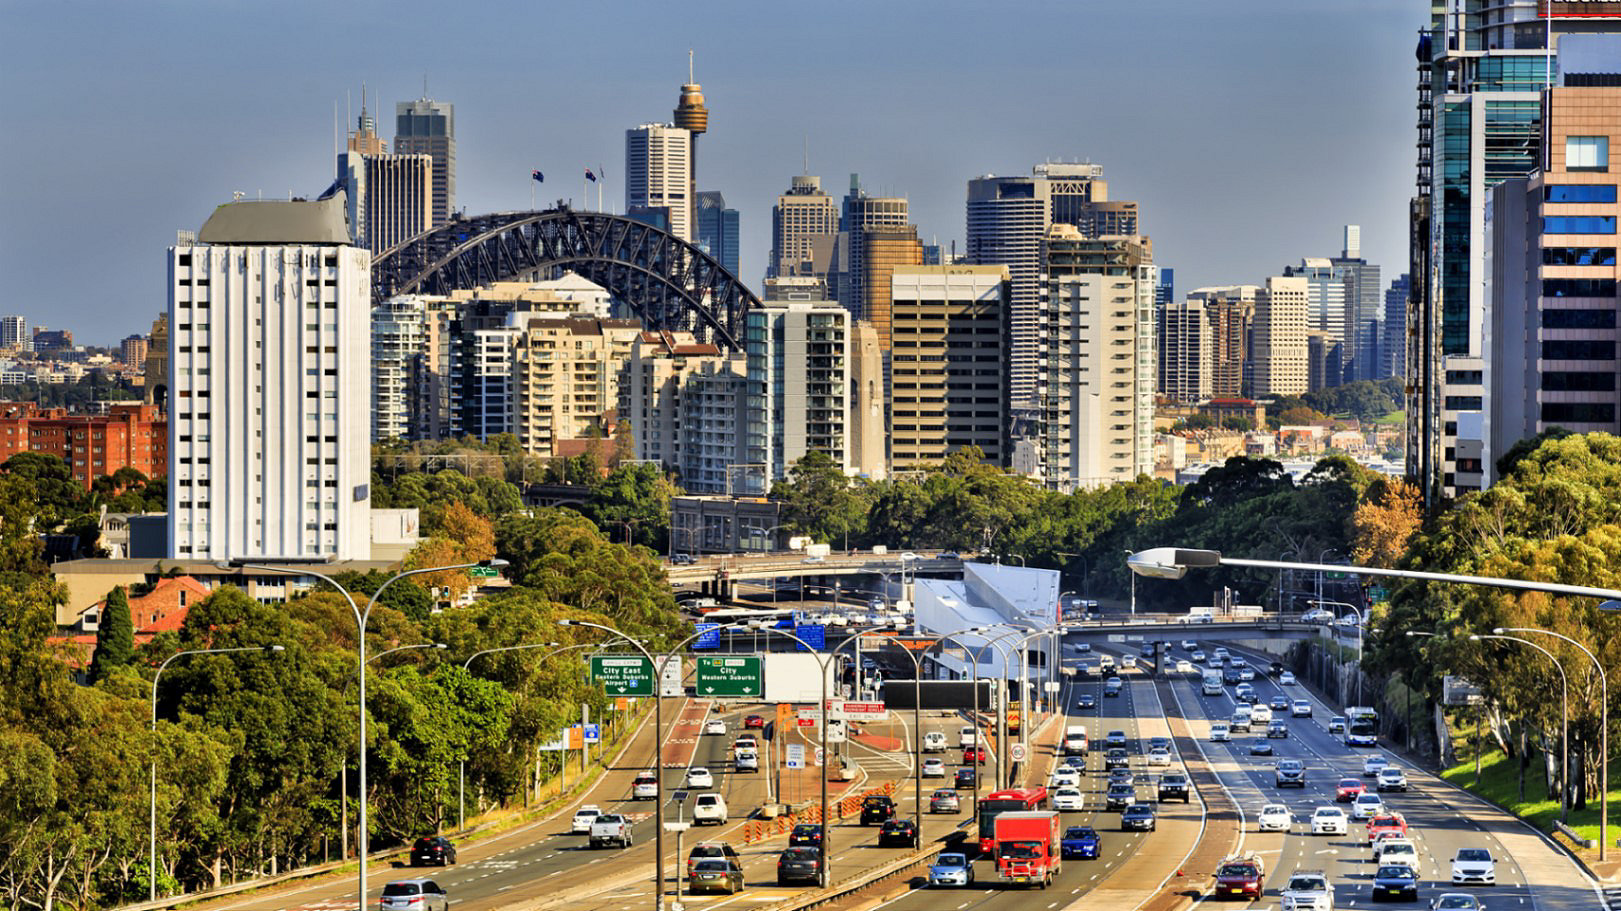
(1017, 752)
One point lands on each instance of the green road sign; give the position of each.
(623, 675)
(484, 572)
(730, 677)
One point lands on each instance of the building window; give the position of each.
(1587, 153)
(1597, 192)
(1578, 412)
(1572, 381)
(1578, 224)
(1578, 256)
(1462, 403)
(1579, 319)
(1578, 350)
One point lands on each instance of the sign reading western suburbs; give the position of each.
(729, 677)
(623, 675)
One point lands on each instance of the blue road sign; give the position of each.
(593, 734)
(815, 634)
(708, 635)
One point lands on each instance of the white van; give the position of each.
(1075, 740)
(968, 736)
(1212, 683)
(934, 742)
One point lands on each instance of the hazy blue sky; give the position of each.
(1249, 131)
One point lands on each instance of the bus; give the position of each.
(1361, 726)
(1005, 801)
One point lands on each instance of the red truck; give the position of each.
(1026, 847)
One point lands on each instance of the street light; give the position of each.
(1358, 612)
(1604, 721)
(361, 618)
(1133, 580)
(152, 858)
(1564, 730)
(461, 764)
(343, 778)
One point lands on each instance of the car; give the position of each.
(1474, 865)
(876, 808)
(974, 754)
(645, 787)
(799, 865)
(745, 742)
(1239, 661)
(753, 722)
(716, 874)
(1456, 901)
(1367, 805)
(583, 817)
(805, 835)
(1064, 777)
(1083, 647)
(414, 895)
(1289, 773)
(1119, 796)
(1122, 776)
(909, 556)
(1274, 817)
(1287, 678)
(1159, 757)
(1115, 739)
(1260, 746)
(1188, 645)
(1240, 721)
(934, 742)
(1329, 821)
(1230, 676)
(1242, 876)
(1068, 799)
(700, 777)
(1391, 779)
(951, 869)
(1395, 851)
(1184, 666)
(1159, 743)
(1308, 890)
(933, 768)
(709, 807)
(1317, 615)
(1138, 817)
(1174, 785)
(1395, 882)
(1113, 686)
(963, 779)
(945, 800)
(1336, 724)
(814, 559)
(1300, 708)
(1278, 704)
(682, 560)
(1116, 759)
(1349, 789)
(949, 555)
(1221, 651)
(1373, 765)
(705, 849)
(1220, 732)
(1086, 701)
(437, 850)
(1128, 662)
(902, 832)
(1197, 655)
(1277, 730)
(1247, 673)
(746, 761)
(1080, 841)
(715, 726)
(611, 829)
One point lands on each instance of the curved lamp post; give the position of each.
(152, 857)
(1564, 729)
(1357, 612)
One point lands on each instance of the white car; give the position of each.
(1474, 865)
(1287, 678)
(1189, 645)
(1391, 778)
(715, 726)
(1373, 765)
(584, 817)
(1300, 708)
(934, 768)
(645, 788)
(1317, 616)
(699, 777)
(709, 807)
(1274, 817)
(1395, 851)
(1260, 714)
(1220, 732)
(1308, 890)
(1247, 673)
(1329, 821)
(934, 742)
(1184, 666)
(1064, 777)
(1367, 806)
(1159, 757)
(1068, 799)
(747, 761)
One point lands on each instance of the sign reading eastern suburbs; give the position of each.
(623, 675)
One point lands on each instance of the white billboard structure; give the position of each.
(797, 677)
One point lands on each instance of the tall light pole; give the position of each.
(343, 779)
(1604, 724)
(461, 764)
(152, 857)
(1357, 613)
(1133, 579)
(361, 618)
(1564, 729)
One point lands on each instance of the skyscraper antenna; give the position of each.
(690, 80)
(424, 86)
(806, 170)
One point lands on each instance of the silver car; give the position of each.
(414, 895)
(945, 800)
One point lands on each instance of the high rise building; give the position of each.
(1008, 218)
(565, 377)
(480, 342)
(428, 127)
(691, 115)
(652, 393)
(799, 382)
(15, 334)
(861, 213)
(1165, 293)
(1278, 337)
(1364, 310)
(717, 228)
(1325, 305)
(1231, 313)
(270, 455)
(1186, 357)
(132, 351)
(885, 248)
(715, 397)
(948, 364)
(658, 173)
(399, 193)
(399, 330)
(1096, 388)
(804, 225)
(865, 431)
(1393, 350)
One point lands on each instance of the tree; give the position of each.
(115, 636)
(1385, 522)
(819, 501)
(632, 504)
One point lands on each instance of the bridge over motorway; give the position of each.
(1176, 627)
(716, 574)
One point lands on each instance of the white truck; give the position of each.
(610, 829)
(1075, 741)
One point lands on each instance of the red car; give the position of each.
(1240, 876)
(1350, 789)
(973, 754)
(754, 721)
(1391, 824)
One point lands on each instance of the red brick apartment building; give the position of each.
(134, 436)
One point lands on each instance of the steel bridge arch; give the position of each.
(670, 283)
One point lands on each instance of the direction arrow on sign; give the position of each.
(623, 675)
(729, 677)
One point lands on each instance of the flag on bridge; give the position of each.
(590, 176)
(539, 177)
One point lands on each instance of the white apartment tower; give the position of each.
(269, 369)
(658, 173)
(1186, 353)
(799, 378)
(1278, 346)
(14, 334)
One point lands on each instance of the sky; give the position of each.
(1249, 132)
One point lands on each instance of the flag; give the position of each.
(539, 177)
(590, 176)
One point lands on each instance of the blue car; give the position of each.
(1080, 841)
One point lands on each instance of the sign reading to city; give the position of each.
(730, 677)
(623, 675)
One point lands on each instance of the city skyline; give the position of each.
(233, 116)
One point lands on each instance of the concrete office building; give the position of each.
(270, 361)
(948, 364)
(804, 225)
(1325, 359)
(1278, 337)
(714, 407)
(865, 432)
(885, 249)
(428, 127)
(132, 351)
(1325, 303)
(565, 376)
(1186, 357)
(1393, 350)
(1364, 310)
(1096, 388)
(1231, 313)
(717, 230)
(399, 199)
(861, 213)
(658, 174)
(799, 381)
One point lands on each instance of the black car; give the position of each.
(1174, 785)
(799, 865)
(1260, 748)
(1230, 676)
(1395, 882)
(807, 835)
(433, 849)
(1277, 730)
(902, 832)
(1247, 696)
(1139, 816)
(964, 778)
(1119, 797)
(1279, 704)
(876, 808)
(1122, 776)
(1116, 759)
(1087, 701)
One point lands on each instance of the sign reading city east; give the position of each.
(731, 677)
(623, 675)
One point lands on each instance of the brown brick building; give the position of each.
(136, 436)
